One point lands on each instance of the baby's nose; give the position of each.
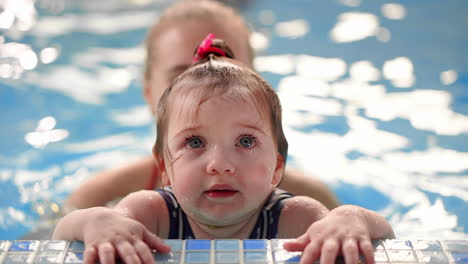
(220, 163)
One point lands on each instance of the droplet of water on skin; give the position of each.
(125, 211)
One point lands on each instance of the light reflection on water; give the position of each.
(369, 108)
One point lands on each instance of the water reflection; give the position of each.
(259, 41)
(267, 17)
(383, 34)
(292, 29)
(354, 26)
(448, 77)
(400, 71)
(45, 133)
(16, 16)
(352, 3)
(364, 71)
(354, 113)
(49, 55)
(394, 11)
(136, 116)
(15, 58)
(88, 87)
(320, 68)
(20, 14)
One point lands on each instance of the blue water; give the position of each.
(374, 93)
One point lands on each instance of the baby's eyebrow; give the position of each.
(254, 127)
(186, 129)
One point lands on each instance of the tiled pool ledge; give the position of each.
(237, 251)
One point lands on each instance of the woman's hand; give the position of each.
(345, 229)
(108, 233)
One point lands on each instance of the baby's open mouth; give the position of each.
(221, 192)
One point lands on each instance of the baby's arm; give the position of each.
(347, 229)
(121, 231)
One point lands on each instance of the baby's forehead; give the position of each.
(191, 104)
(187, 106)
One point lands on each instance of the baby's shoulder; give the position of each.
(144, 199)
(306, 207)
(149, 208)
(298, 213)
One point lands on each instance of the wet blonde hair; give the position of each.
(218, 76)
(206, 11)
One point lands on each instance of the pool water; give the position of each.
(375, 98)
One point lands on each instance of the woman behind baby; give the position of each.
(170, 45)
(222, 151)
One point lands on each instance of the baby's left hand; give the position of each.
(344, 229)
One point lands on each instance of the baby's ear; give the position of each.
(160, 165)
(279, 170)
(164, 178)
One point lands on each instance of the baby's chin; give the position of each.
(231, 218)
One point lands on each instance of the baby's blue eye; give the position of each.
(195, 142)
(246, 142)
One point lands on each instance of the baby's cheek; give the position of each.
(185, 170)
(262, 175)
(261, 162)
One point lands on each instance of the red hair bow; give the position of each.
(206, 48)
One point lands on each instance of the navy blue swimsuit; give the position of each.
(265, 228)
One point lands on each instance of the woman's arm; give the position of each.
(109, 185)
(300, 184)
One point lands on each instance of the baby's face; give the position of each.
(175, 48)
(223, 160)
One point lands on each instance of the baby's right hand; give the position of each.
(108, 233)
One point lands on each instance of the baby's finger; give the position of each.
(350, 251)
(329, 251)
(127, 252)
(90, 255)
(144, 252)
(155, 242)
(297, 244)
(106, 253)
(310, 253)
(367, 251)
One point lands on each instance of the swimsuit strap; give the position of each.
(267, 222)
(179, 227)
